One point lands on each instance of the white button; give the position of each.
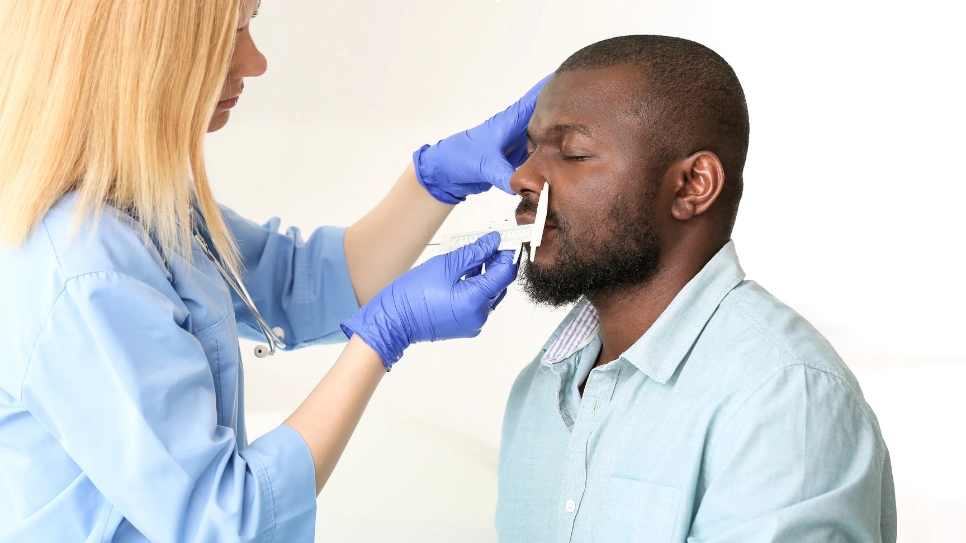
(571, 506)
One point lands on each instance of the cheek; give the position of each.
(595, 198)
(601, 220)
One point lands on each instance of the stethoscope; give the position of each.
(273, 336)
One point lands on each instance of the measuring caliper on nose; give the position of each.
(512, 236)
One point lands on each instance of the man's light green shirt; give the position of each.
(730, 420)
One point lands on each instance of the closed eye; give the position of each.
(574, 155)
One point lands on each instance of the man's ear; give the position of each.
(700, 178)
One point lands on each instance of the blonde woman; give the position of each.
(121, 390)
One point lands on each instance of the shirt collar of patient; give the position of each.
(661, 349)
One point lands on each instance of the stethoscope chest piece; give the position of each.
(261, 351)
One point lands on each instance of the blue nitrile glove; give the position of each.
(434, 301)
(472, 161)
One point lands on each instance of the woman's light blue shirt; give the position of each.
(121, 385)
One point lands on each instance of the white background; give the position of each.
(852, 214)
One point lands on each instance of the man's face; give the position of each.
(586, 139)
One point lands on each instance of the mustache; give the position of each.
(529, 205)
(526, 205)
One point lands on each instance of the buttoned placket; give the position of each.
(598, 392)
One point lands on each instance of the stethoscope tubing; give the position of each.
(273, 336)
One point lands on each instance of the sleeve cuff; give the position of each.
(283, 464)
(342, 298)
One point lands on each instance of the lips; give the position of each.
(526, 211)
(229, 103)
(530, 218)
(525, 218)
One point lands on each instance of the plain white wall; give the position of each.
(851, 215)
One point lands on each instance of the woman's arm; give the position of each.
(304, 286)
(327, 418)
(448, 296)
(388, 240)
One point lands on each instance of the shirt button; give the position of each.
(570, 506)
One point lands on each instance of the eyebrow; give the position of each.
(566, 127)
(254, 14)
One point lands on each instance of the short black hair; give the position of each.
(690, 100)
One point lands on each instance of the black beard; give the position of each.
(612, 257)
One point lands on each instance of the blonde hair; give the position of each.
(112, 99)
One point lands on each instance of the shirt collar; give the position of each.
(659, 352)
(575, 334)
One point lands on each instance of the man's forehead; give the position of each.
(588, 101)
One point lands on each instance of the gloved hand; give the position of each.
(433, 301)
(473, 160)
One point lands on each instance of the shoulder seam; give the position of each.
(745, 316)
(805, 366)
(124, 222)
(33, 348)
(53, 246)
(792, 358)
(787, 353)
(60, 295)
(40, 331)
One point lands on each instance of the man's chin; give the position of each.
(546, 286)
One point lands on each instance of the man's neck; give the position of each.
(627, 313)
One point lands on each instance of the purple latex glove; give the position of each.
(472, 161)
(434, 301)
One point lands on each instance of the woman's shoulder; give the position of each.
(59, 255)
(61, 248)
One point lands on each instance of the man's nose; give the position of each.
(529, 177)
